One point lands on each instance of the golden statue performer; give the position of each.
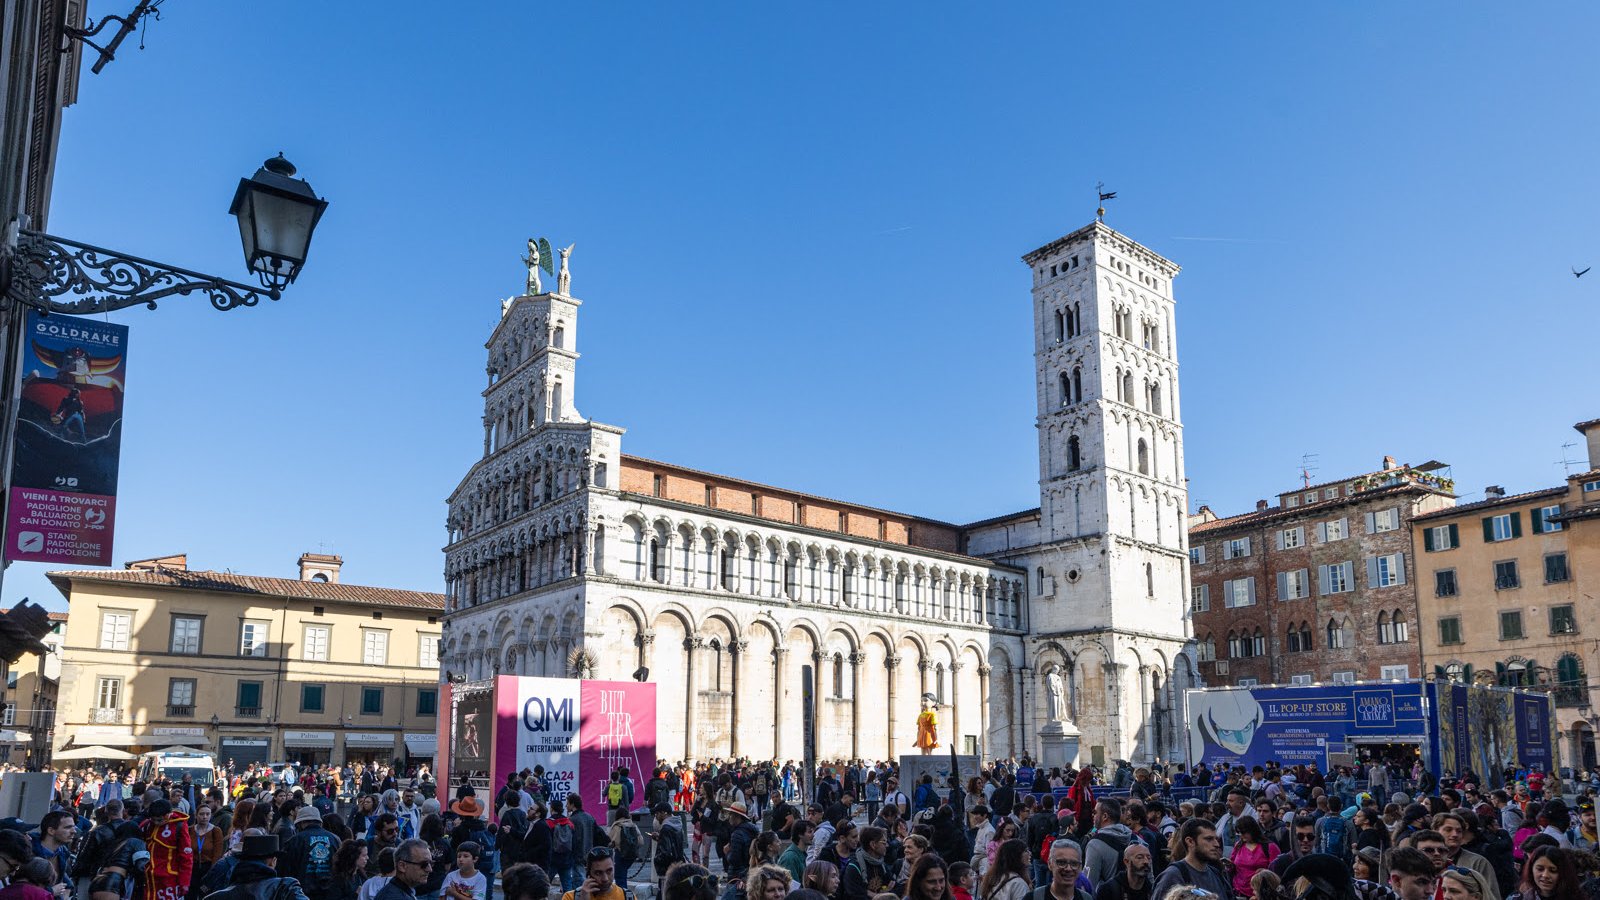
(928, 726)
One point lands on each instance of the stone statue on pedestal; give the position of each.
(532, 261)
(1056, 691)
(564, 280)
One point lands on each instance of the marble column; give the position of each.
(691, 694)
(891, 663)
(646, 642)
(983, 712)
(736, 650)
(856, 659)
(816, 702)
(955, 705)
(780, 656)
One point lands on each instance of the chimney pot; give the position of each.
(1493, 492)
(1261, 506)
(1389, 463)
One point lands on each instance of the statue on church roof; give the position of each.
(564, 280)
(538, 258)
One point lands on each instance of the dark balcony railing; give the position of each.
(180, 711)
(247, 712)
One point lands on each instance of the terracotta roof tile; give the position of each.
(1508, 500)
(1255, 516)
(228, 582)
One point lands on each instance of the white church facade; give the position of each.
(566, 555)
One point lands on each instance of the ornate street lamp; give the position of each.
(277, 214)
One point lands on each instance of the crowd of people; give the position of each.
(759, 831)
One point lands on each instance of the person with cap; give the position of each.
(255, 876)
(308, 856)
(672, 845)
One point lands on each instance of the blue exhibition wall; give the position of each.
(1250, 726)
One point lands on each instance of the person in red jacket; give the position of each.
(171, 853)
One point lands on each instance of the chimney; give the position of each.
(1261, 506)
(1388, 463)
(1591, 433)
(1493, 492)
(320, 567)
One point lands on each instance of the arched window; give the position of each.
(716, 664)
(1258, 643)
(1077, 384)
(1305, 637)
(1292, 640)
(1040, 589)
(938, 682)
(849, 584)
(658, 568)
(1155, 397)
(1144, 457)
(1385, 630)
(838, 676)
(1065, 388)
(1207, 649)
(1061, 327)
(1074, 454)
(1233, 645)
(1127, 388)
(1401, 633)
(559, 338)
(1335, 637)
(1075, 320)
(728, 566)
(1149, 580)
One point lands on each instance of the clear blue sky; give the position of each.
(798, 229)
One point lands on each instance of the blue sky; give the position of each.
(798, 230)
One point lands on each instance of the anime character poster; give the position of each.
(63, 501)
(1253, 726)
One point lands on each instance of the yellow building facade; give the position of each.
(252, 668)
(1509, 593)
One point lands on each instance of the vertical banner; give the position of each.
(63, 500)
(1534, 747)
(444, 727)
(578, 732)
(618, 731)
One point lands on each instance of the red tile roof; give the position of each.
(1280, 512)
(57, 617)
(1507, 500)
(227, 582)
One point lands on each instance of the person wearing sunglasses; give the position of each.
(413, 863)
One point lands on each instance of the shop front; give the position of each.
(421, 747)
(238, 752)
(362, 747)
(308, 748)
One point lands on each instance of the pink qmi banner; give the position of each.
(579, 731)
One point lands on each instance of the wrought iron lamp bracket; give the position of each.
(41, 271)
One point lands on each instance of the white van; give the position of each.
(174, 764)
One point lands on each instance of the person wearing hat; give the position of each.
(308, 856)
(256, 877)
(468, 807)
(736, 852)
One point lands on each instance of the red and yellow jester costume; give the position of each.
(171, 858)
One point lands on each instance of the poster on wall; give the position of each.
(1252, 726)
(63, 501)
(579, 732)
(1485, 730)
(473, 726)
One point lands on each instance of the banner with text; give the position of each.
(63, 501)
(1250, 726)
(578, 731)
(1485, 730)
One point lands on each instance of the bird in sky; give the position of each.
(1577, 274)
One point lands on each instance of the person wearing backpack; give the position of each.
(1201, 863)
(616, 797)
(563, 848)
(626, 844)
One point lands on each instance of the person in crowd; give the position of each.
(256, 876)
(1197, 861)
(210, 844)
(688, 881)
(793, 857)
(385, 835)
(308, 856)
(33, 880)
(821, 876)
(1461, 883)
(767, 882)
(1134, 879)
(386, 868)
(930, 880)
(413, 862)
(866, 871)
(1007, 878)
(465, 882)
(525, 881)
(1251, 854)
(1104, 849)
(349, 870)
(1551, 873)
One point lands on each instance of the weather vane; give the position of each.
(1100, 188)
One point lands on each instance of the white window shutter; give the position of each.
(1344, 527)
(1246, 547)
(1324, 580)
(1283, 585)
(1372, 523)
(1322, 532)
(1372, 570)
(1277, 539)
(1399, 568)
(1250, 590)
(1347, 569)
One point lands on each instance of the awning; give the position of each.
(308, 739)
(9, 736)
(422, 744)
(368, 739)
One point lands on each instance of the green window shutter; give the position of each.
(1516, 524)
(1427, 540)
(1455, 536)
(1488, 529)
(1536, 520)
